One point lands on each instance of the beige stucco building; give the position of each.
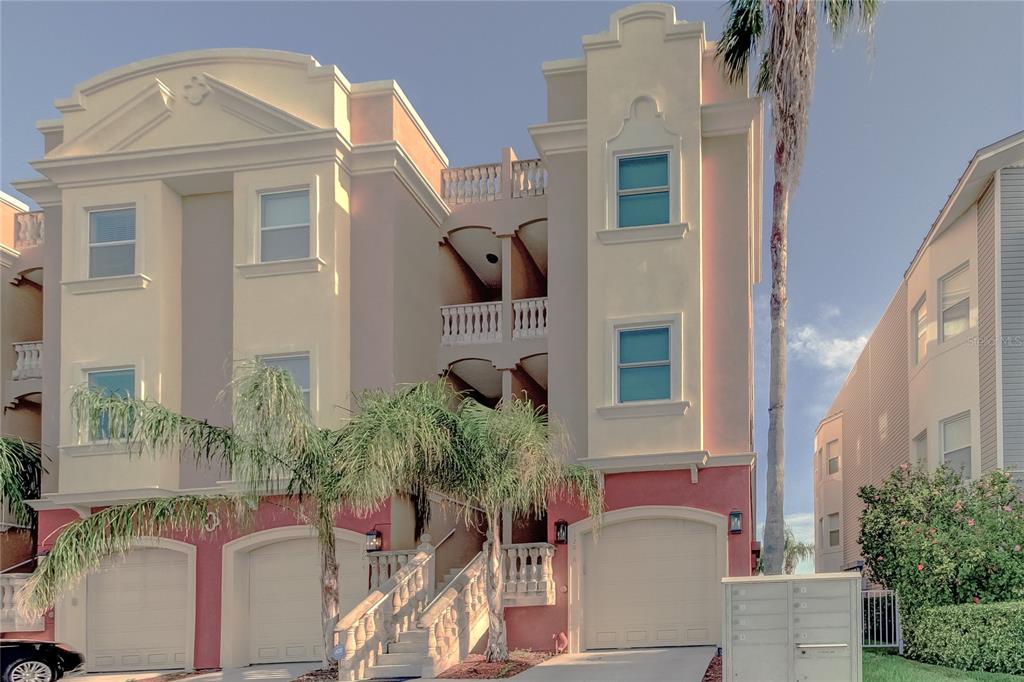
(939, 381)
(212, 206)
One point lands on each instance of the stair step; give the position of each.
(400, 657)
(413, 637)
(388, 672)
(418, 648)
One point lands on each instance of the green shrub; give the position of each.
(937, 540)
(986, 637)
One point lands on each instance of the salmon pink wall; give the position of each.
(272, 513)
(719, 489)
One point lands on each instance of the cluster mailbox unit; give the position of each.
(790, 627)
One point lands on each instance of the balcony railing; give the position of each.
(529, 576)
(10, 620)
(29, 230)
(28, 360)
(530, 318)
(493, 181)
(469, 323)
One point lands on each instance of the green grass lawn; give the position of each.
(880, 666)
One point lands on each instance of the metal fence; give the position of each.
(881, 614)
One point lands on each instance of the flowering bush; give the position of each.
(938, 540)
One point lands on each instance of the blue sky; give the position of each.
(891, 127)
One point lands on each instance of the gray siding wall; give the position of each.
(1011, 249)
(987, 330)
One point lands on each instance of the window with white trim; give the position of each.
(833, 530)
(110, 382)
(644, 363)
(296, 364)
(956, 444)
(284, 225)
(643, 190)
(919, 342)
(832, 457)
(955, 303)
(112, 242)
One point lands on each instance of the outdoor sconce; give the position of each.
(735, 522)
(374, 540)
(561, 532)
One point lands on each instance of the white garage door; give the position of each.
(138, 612)
(284, 598)
(651, 582)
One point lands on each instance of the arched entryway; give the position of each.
(270, 593)
(650, 577)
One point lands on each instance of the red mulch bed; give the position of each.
(475, 667)
(714, 671)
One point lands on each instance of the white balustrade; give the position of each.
(528, 569)
(10, 619)
(388, 611)
(471, 184)
(28, 360)
(383, 565)
(470, 323)
(29, 230)
(530, 318)
(449, 619)
(529, 178)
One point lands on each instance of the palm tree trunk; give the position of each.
(774, 524)
(329, 581)
(497, 639)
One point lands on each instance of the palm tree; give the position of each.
(273, 448)
(795, 552)
(782, 36)
(20, 468)
(510, 460)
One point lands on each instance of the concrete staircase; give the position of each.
(404, 659)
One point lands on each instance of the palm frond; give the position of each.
(738, 46)
(839, 13)
(20, 469)
(83, 545)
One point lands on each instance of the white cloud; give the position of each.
(810, 344)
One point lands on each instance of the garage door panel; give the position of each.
(651, 582)
(138, 612)
(285, 598)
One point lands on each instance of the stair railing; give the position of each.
(449, 618)
(388, 611)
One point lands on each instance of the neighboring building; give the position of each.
(216, 205)
(21, 308)
(940, 380)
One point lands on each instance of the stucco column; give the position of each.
(506, 289)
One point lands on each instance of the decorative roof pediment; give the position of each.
(202, 108)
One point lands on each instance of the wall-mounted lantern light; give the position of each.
(374, 540)
(561, 532)
(735, 522)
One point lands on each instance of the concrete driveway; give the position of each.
(283, 672)
(678, 664)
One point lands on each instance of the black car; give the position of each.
(25, 660)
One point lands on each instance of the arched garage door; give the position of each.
(284, 597)
(139, 612)
(652, 582)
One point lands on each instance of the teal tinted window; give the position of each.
(643, 194)
(642, 172)
(113, 382)
(297, 366)
(644, 364)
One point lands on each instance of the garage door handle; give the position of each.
(821, 646)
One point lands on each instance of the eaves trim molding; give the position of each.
(372, 88)
(389, 157)
(560, 137)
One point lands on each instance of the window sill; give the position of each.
(91, 449)
(281, 267)
(98, 285)
(644, 233)
(668, 408)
